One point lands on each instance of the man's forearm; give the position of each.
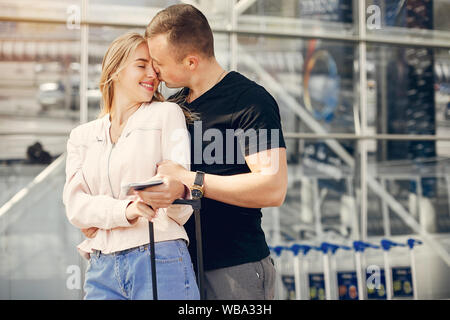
(251, 190)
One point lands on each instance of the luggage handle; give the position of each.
(196, 205)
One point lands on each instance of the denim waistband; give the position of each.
(141, 248)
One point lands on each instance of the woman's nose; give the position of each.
(151, 72)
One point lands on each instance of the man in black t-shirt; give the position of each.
(238, 155)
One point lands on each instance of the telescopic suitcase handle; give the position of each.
(196, 205)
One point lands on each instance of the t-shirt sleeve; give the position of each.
(256, 121)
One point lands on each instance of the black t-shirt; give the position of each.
(232, 235)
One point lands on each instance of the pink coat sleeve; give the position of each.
(83, 209)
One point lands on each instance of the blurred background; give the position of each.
(364, 94)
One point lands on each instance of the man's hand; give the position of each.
(163, 195)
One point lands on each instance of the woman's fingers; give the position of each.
(145, 211)
(160, 204)
(90, 232)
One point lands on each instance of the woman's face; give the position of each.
(137, 81)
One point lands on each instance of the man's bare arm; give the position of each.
(264, 186)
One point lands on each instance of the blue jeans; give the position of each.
(126, 275)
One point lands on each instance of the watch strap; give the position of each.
(199, 178)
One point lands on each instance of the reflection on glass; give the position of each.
(136, 12)
(320, 200)
(419, 184)
(425, 197)
(38, 256)
(39, 95)
(323, 196)
(39, 67)
(414, 17)
(419, 102)
(47, 9)
(312, 17)
(325, 11)
(311, 80)
(136, 3)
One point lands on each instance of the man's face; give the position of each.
(166, 66)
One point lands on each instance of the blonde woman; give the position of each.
(135, 130)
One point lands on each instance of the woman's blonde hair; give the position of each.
(114, 61)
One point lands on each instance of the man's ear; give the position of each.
(191, 62)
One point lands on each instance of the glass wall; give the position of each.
(39, 96)
(363, 91)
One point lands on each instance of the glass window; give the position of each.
(400, 20)
(408, 90)
(321, 193)
(312, 80)
(39, 98)
(117, 12)
(48, 10)
(419, 184)
(324, 17)
(39, 94)
(38, 256)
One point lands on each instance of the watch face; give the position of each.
(197, 193)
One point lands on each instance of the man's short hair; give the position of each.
(187, 30)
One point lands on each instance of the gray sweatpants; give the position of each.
(248, 281)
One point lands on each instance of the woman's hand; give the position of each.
(134, 210)
(170, 168)
(138, 209)
(90, 232)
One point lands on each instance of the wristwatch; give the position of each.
(197, 187)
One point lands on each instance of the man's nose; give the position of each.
(158, 75)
